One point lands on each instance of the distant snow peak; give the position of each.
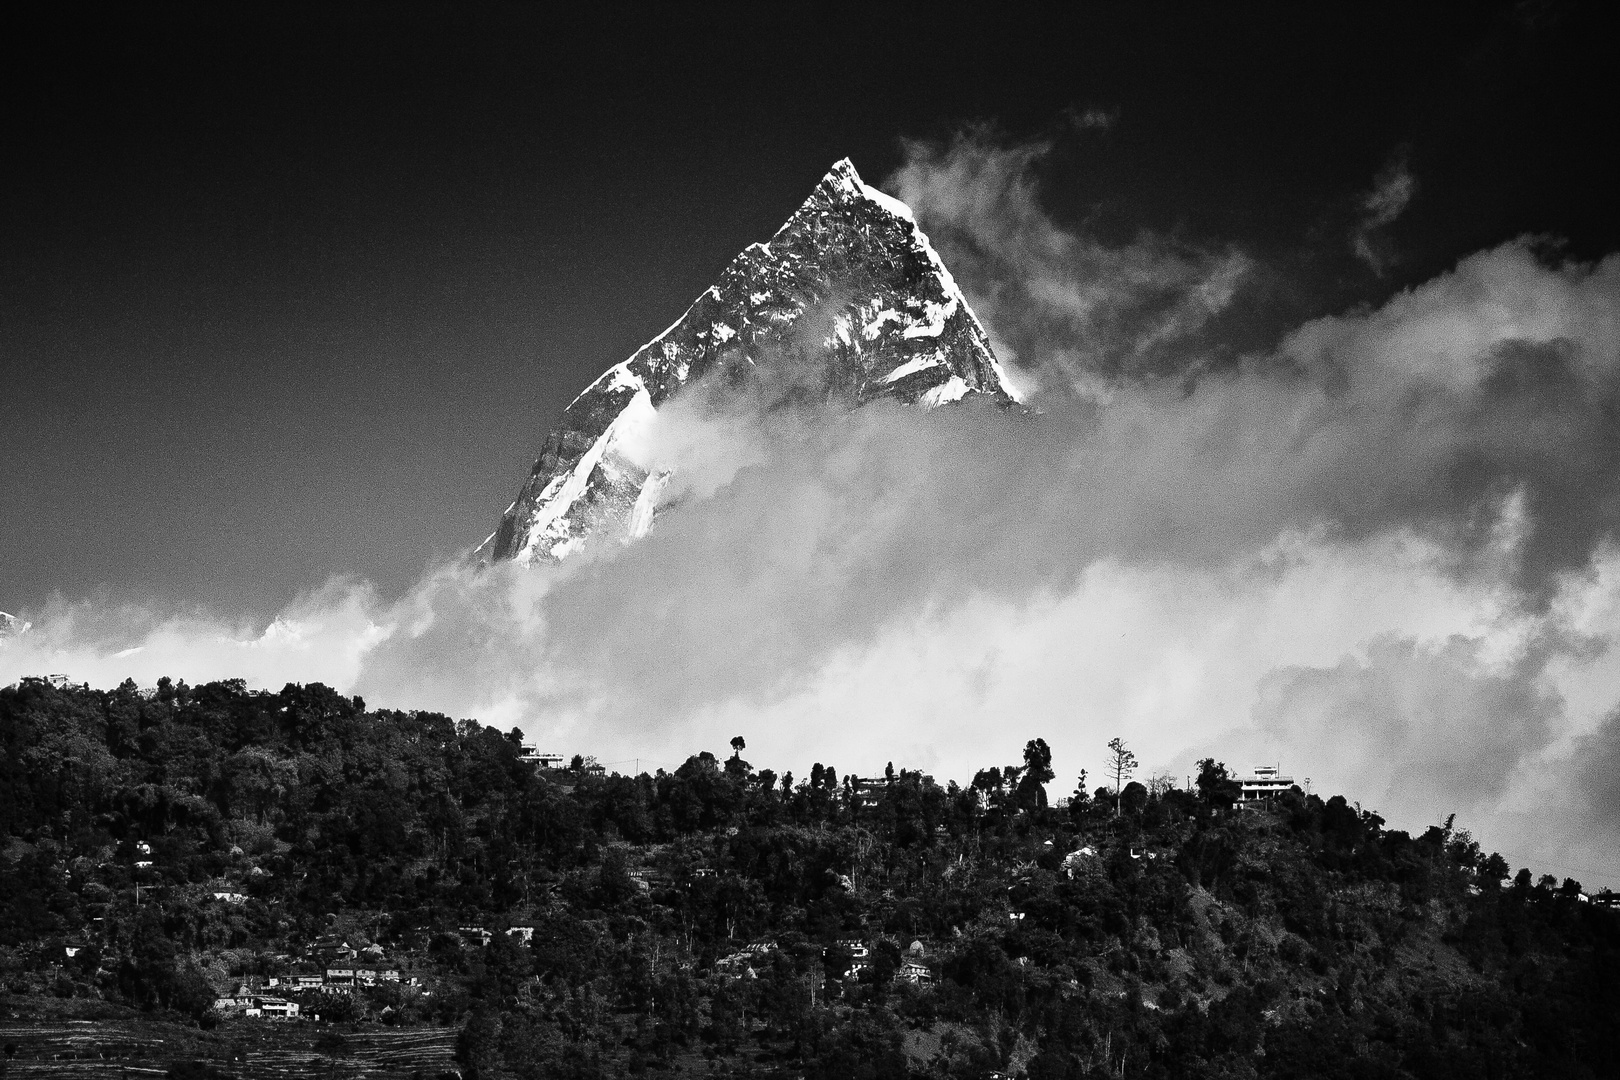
(847, 302)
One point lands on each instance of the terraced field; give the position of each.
(104, 1049)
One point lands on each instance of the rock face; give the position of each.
(848, 302)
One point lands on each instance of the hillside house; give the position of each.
(231, 897)
(914, 967)
(860, 956)
(1266, 784)
(1075, 861)
(247, 1003)
(541, 759)
(329, 948)
(870, 788)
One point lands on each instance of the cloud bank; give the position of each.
(1380, 552)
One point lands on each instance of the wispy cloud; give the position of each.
(1067, 308)
(1392, 190)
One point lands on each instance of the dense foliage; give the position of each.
(1162, 933)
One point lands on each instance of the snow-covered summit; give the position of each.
(847, 302)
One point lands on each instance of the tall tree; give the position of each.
(1037, 772)
(1121, 763)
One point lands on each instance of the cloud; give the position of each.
(1392, 190)
(1596, 773)
(1432, 727)
(1090, 119)
(1381, 550)
(1067, 308)
(322, 636)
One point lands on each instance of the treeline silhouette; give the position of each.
(722, 917)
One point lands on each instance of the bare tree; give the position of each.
(1121, 763)
(1161, 785)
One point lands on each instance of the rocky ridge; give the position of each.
(847, 303)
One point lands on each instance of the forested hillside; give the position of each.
(164, 847)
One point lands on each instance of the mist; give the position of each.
(1378, 551)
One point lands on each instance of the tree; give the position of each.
(1081, 796)
(1037, 772)
(1215, 785)
(1121, 763)
(735, 765)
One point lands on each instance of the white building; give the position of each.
(249, 1004)
(1266, 783)
(540, 758)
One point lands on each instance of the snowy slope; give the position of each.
(848, 301)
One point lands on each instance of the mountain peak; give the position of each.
(843, 179)
(847, 302)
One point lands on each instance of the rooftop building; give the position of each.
(540, 758)
(1266, 783)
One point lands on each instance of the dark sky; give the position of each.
(287, 292)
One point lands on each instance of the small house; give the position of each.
(914, 968)
(278, 1008)
(330, 947)
(914, 972)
